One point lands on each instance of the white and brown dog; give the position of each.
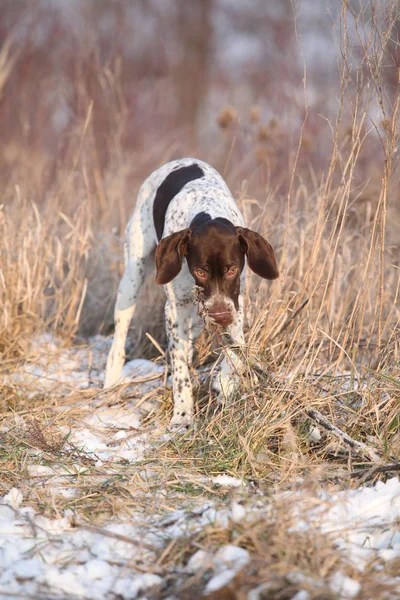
(186, 217)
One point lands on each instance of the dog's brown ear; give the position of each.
(169, 255)
(260, 254)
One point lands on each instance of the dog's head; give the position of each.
(215, 252)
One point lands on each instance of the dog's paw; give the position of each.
(226, 385)
(181, 422)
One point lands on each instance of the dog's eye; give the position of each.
(200, 273)
(231, 271)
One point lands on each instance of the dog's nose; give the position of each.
(221, 314)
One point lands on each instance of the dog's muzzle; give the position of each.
(221, 313)
(214, 311)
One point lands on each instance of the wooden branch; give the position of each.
(354, 444)
(370, 472)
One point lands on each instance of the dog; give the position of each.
(186, 218)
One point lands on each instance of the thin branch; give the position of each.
(289, 320)
(117, 536)
(370, 472)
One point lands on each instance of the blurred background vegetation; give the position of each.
(94, 95)
(151, 78)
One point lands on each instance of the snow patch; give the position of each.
(361, 521)
(221, 580)
(345, 586)
(227, 481)
(200, 561)
(232, 557)
(14, 498)
(51, 367)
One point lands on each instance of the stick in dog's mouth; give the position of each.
(210, 324)
(199, 300)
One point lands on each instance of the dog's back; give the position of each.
(172, 196)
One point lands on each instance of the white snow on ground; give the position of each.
(227, 562)
(54, 368)
(363, 522)
(227, 481)
(39, 555)
(109, 434)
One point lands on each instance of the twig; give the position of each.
(289, 320)
(354, 444)
(370, 472)
(38, 596)
(116, 536)
(313, 414)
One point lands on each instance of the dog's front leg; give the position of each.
(227, 380)
(178, 321)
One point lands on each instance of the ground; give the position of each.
(103, 502)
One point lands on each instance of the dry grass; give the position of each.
(335, 232)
